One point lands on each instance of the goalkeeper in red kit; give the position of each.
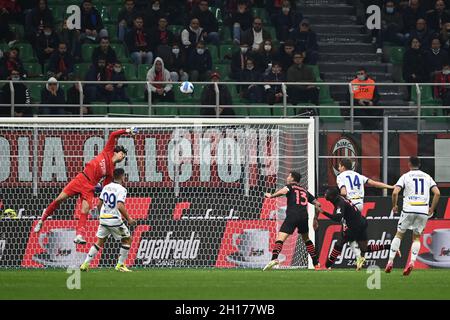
(85, 183)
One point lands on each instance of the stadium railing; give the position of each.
(422, 102)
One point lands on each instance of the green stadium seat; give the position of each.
(120, 52)
(260, 111)
(260, 12)
(315, 70)
(35, 91)
(175, 29)
(130, 71)
(142, 71)
(427, 95)
(26, 51)
(100, 109)
(81, 69)
(240, 109)
(105, 13)
(225, 35)
(214, 53)
(18, 30)
(272, 32)
(278, 111)
(112, 32)
(165, 111)
(223, 69)
(226, 49)
(34, 70)
(86, 51)
(396, 55)
(114, 109)
(114, 13)
(331, 114)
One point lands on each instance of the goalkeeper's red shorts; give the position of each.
(82, 186)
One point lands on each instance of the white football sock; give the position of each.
(415, 248)
(92, 252)
(395, 245)
(355, 248)
(123, 253)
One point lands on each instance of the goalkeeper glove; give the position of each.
(132, 130)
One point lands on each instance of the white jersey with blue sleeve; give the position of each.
(111, 195)
(354, 184)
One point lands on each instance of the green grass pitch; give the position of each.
(223, 284)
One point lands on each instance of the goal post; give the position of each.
(195, 187)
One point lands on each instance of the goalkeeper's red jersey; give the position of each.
(102, 165)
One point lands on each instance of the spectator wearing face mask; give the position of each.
(422, 33)
(208, 98)
(265, 56)
(116, 91)
(274, 93)
(438, 17)
(253, 92)
(139, 43)
(414, 63)
(435, 57)
(22, 97)
(286, 20)
(176, 64)
(191, 35)
(241, 21)
(60, 65)
(443, 92)
(391, 27)
(238, 59)
(46, 43)
(286, 54)
(51, 95)
(256, 35)
(199, 63)
(305, 40)
(365, 97)
(11, 61)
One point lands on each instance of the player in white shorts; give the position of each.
(351, 186)
(112, 209)
(416, 186)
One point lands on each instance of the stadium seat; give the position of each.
(34, 70)
(101, 108)
(225, 35)
(105, 14)
(112, 32)
(81, 69)
(114, 109)
(165, 111)
(260, 12)
(114, 13)
(396, 55)
(35, 92)
(26, 52)
(175, 29)
(278, 111)
(130, 71)
(315, 70)
(240, 109)
(427, 95)
(120, 52)
(260, 111)
(142, 71)
(86, 51)
(226, 49)
(272, 32)
(214, 53)
(18, 30)
(223, 69)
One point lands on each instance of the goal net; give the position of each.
(195, 187)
